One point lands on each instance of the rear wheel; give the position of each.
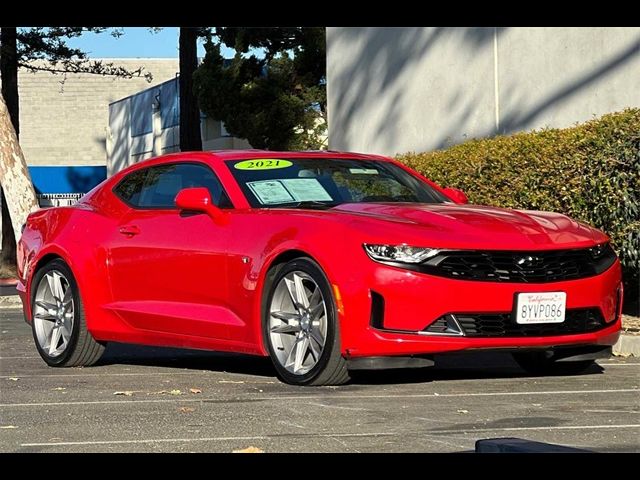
(59, 327)
(301, 328)
(538, 363)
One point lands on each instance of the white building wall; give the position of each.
(397, 89)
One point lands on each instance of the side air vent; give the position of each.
(377, 310)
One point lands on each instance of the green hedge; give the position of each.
(590, 172)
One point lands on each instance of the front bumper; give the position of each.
(412, 301)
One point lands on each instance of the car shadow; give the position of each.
(458, 366)
(463, 366)
(126, 354)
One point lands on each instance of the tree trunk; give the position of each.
(9, 77)
(190, 138)
(14, 178)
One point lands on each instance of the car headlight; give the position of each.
(399, 253)
(599, 250)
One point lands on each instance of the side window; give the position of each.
(157, 187)
(129, 189)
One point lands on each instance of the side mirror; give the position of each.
(456, 195)
(198, 199)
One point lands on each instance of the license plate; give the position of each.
(545, 307)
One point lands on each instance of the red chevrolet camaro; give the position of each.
(324, 261)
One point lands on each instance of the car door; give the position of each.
(167, 268)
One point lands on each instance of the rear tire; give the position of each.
(536, 363)
(58, 323)
(300, 326)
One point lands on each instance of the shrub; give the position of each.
(590, 172)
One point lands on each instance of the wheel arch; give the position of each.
(41, 261)
(270, 269)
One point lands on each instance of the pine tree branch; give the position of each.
(92, 68)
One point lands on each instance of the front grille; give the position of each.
(583, 320)
(520, 267)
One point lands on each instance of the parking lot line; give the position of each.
(205, 439)
(279, 398)
(554, 427)
(19, 358)
(106, 374)
(325, 435)
(619, 364)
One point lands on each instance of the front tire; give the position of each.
(300, 326)
(58, 323)
(538, 364)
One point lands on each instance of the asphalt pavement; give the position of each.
(143, 399)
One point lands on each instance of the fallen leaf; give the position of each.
(463, 411)
(7, 427)
(14, 379)
(195, 390)
(126, 393)
(230, 381)
(249, 449)
(175, 392)
(186, 409)
(58, 389)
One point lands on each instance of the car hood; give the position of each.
(475, 226)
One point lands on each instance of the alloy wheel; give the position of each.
(298, 322)
(53, 313)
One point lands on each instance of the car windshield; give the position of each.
(327, 182)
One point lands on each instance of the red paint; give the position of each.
(162, 278)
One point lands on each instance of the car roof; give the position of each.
(218, 156)
(250, 154)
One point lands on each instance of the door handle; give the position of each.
(129, 230)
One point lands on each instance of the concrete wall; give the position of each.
(64, 122)
(399, 89)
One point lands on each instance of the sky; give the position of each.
(137, 42)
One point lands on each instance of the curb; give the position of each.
(627, 346)
(10, 301)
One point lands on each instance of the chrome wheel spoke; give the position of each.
(285, 328)
(67, 298)
(316, 338)
(56, 333)
(286, 316)
(317, 311)
(315, 299)
(66, 333)
(303, 299)
(55, 285)
(301, 348)
(46, 305)
(315, 347)
(45, 316)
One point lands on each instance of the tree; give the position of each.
(15, 181)
(24, 48)
(276, 102)
(190, 138)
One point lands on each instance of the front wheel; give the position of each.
(301, 328)
(537, 363)
(59, 327)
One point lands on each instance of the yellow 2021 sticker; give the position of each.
(262, 164)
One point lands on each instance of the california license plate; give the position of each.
(546, 307)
